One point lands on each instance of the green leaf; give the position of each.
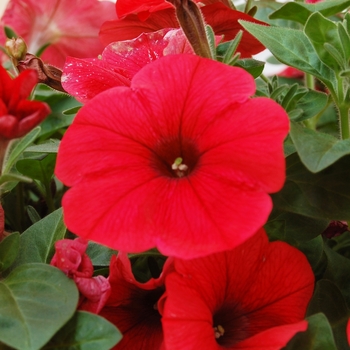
(329, 300)
(318, 336)
(317, 150)
(36, 300)
(85, 331)
(40, 169)
(293, 48)
(18, 146)
(9, 248)
(12, 177)
(49, 146)
(254, 67)
(324, 195)
(300, 12)
(33, 214)
(10, 33)
(321, 30)
(37, 242)
(338, 271)
(99, 254)
(311, 104)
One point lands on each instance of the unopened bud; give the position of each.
(16, 49)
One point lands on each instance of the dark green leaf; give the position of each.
(37, 242)
(300, 12)
(85, 331)
(254, 67)
(40, 169)
(329, 300)
(317, 151)
(293, 48)
(33, 214)
(324, 195)
(318, 336)
(338, 271)
(100, 255)
(9, 248)
(10, 33)
(36, 300)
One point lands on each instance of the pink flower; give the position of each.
(119, 62)
(132, 306)
(220, 17)
(18, 115)
(70, 257)
(69, 27)
(348, 331)
(183, 155)
(253, 297)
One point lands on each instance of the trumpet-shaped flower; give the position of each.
(252, 297)
(220, 17)
(132, 306)
(119, 62)
(17, 114)
(66, 27)
(70, 257)
(182, 155)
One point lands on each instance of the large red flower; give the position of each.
(182, 160)
(119, 62)
(221, 18)
(253, 297)
(18, 115)
(132, 306)
(69, 27)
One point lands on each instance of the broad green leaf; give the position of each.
(18, 146)
(49, 146)
(317, 150)
(99, 254)
(318, 336)
(329, 300)
(36, 300)
(85, 331)
(33, 214)
(37, 242)
(9, 248)
(293, 48)
(324, 195)
(321, 30)
(300, 12)
(41, 168)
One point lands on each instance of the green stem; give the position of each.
(344, 121)
(48, 197)
(310, 84)
(19, 206)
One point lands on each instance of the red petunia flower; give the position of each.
(69, 27)
(132, 306)
(220, 17)
(18, 115)
(183, 155)
(253, 297)
(119, 62)
(70, 257)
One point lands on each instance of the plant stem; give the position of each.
(48, 197)
(344, 121)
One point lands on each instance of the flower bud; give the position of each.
(16, 48)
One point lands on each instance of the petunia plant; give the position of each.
(162, 187)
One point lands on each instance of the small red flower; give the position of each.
(119, 62)
(132, 306)
(220, 17)
(69, 27)
(70, 257)
(18, 115)
(183, 155)
(251, 297)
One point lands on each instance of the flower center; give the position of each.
(230, 325)
(175, 157)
